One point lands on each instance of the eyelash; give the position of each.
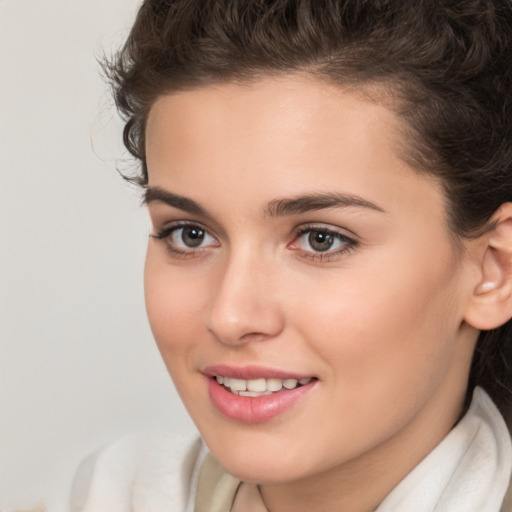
(349, 244)
(165, 234)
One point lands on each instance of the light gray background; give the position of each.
(78, 366)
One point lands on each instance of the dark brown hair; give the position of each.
(447, 64)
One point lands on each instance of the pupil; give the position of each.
(192, 237)
(320, 241)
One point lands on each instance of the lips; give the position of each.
(254, 394)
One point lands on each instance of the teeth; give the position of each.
(254, 393)
(259, 387)
(237, 384)
(289, 383)
(274, 384)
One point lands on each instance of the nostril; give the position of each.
(242, 307)
(251, 328)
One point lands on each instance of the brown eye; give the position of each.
(192, 236)
(188, 238)
(320, 240)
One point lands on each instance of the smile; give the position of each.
(259, 387)
(256, 394)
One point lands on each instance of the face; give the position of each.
(301, 282)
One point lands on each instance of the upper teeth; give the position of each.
(259, 386)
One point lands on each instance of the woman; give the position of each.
(329, 271)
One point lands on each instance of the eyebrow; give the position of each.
(276, 208)
(312, 202)
(159, 195)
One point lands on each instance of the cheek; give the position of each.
(385, 328)
(173, 305)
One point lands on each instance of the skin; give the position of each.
(379, 320)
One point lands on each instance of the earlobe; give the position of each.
(491, 301)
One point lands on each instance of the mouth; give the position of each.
(260, 387)
(254, 394)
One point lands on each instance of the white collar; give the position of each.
(469, 471)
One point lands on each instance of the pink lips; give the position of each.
(253, 409)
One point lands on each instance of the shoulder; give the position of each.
(140, 473)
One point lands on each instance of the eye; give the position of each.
(184, 239)
(190, 237)
(322, 242)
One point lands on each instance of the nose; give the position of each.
(244, 305)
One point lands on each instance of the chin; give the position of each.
(262, 473)
(259, 464)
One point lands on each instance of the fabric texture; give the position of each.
(140, 473)
(469, 471)
(248, 499)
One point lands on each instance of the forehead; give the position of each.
(280, 137)
(292, 103)
(280, 116)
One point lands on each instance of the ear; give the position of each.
(490, 304)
